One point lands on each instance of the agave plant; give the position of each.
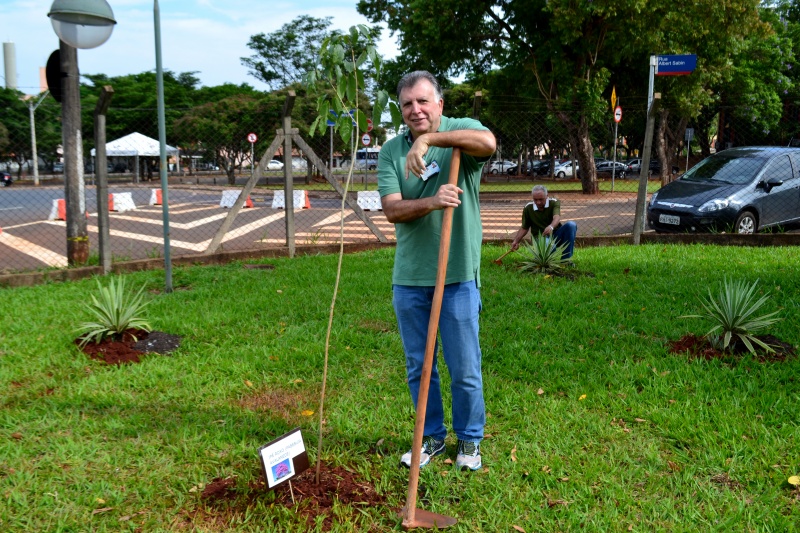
(733, 311)
(545, 255)
(114, 312)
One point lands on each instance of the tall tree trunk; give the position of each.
(578, 133)
(668, 141)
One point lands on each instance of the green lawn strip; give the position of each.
(623, 433)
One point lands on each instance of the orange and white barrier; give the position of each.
(369, 200)
(229, 198)
(121, 202)
(299, 197)
(59, 210)
(155, 197)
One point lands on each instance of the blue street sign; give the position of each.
(332, 121)
(676, 65)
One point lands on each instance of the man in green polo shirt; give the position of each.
(413, 171)
(543, 217)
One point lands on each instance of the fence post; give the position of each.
(288, 174)
(644, 173)
(101, 171)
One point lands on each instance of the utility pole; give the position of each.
(77, 232)
(34, 156)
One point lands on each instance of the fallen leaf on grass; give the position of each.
(297, 381)
(540, 392)
(546, 469)
(100, 501)
(640, 420)
(794, 480)
(582, 397)
(307, 412)
(553, 503)
(248, 383)
(103, 510)
(448, 461)
(564, 479)
(514, 454)
(519, 529)
(675, 467)
(17, 435)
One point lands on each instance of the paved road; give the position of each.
(29, 241)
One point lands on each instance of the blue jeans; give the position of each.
(565, 234)
(458, 332)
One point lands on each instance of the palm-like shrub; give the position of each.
(544, 255)
(733, 311)
(114, 312)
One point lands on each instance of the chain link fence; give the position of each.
(227, 193)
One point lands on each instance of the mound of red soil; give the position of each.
(309, 500)
(699, 347)
(130, 346)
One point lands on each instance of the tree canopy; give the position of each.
(563, 54)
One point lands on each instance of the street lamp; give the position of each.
(78, 24)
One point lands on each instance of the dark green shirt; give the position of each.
(537, 219)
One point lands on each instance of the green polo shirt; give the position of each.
(537, 219)
(417, 252)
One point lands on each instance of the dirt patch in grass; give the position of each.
(288, 405)
(130, 346)
(222, 501)
(699, 347)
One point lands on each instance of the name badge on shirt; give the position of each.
(432, 169)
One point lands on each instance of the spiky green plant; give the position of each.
(545, 256)
(733, 311)
(114, 312)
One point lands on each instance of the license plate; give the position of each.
(669, 219)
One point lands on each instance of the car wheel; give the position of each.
(493, 171)
(746, 223)
(372, 167)
(562, 174)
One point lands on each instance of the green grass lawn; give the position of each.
(592, 424)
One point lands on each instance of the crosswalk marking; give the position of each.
(45, 255)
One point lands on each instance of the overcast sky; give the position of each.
(204, 36)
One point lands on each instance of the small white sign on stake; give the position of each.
(366, 139)
(283, 458)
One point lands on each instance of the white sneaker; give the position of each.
(431, 447)
(469, 455)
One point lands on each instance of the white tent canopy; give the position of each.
(135, 144)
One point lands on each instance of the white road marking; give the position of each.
(45, 255)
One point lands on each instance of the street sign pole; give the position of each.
(617, 118)
(252, 138)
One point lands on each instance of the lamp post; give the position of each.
(34, 156)
(78, 24)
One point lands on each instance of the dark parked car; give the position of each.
(5, 179)
(606, 167)
(635, 166)
(740, 189)
(535, 167)
(58, 168)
